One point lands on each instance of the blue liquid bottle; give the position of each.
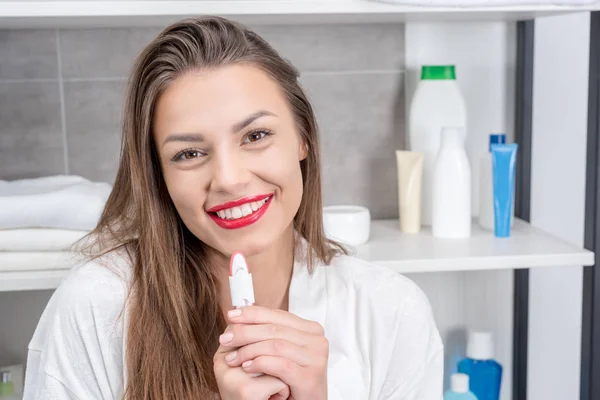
(485, 374)
(459, 388)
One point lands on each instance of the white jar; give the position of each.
(451, 200)
(350, 225)
(437, 102)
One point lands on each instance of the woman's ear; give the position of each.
(302, 151)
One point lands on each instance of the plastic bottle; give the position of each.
(437, 102)
(486, 185)
(485, 373)
(451, 200)
(7, 388)
(459, 388)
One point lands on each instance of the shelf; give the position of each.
(528, 247)
(87, 13)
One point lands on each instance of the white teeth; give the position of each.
(241, 211)
(246, 209)
(236, 212)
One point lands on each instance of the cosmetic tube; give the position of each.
(410, 180)
(504, 162)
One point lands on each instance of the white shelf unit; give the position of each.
(489, 260)
(84, 13)
(527, 247)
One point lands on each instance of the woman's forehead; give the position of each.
(216, 99)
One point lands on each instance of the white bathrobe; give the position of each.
(383, 340)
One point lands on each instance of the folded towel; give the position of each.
(487, 3)
(13, 261)
(59, 202)
(38, 239)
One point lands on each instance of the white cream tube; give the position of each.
(410, 178)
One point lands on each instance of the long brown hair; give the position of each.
(173, 312)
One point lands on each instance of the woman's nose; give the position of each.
(230, 174)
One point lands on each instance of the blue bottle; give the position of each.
(485, 374)
(459, 388)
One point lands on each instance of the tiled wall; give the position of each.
(61, 94)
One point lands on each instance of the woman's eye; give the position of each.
(255, 136)
(190, 154)
(187, 155)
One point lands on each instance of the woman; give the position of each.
(219, 155)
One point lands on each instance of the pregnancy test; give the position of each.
(240, 282)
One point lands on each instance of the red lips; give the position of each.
(243, 221)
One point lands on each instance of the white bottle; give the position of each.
(437, 102)
(451, 200)
(486, 185)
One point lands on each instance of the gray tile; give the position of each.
(338, 47)
(93, 117)
(363, 110)
(28, 54)
(99, 53)
(23, 309)
(351, 177)
(361, 118)
(31, 140)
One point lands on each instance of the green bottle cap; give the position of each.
(438, 72)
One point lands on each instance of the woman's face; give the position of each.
(230, 151)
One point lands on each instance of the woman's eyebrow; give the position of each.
(251, 118)
(184, 137)
(198, 138)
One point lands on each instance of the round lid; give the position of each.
(438, 72)
(480, 346)
(459, 383)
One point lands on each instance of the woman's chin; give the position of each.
(248, 246)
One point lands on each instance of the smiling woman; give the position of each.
(220, 155)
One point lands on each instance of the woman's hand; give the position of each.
(279, 344)
(235, 384)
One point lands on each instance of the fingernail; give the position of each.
(231, 356)
(246, 364)
(234, 313)
(226, 337)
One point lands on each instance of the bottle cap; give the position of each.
(459, 383)
(480, 346)
(497, 138)
(438, 72)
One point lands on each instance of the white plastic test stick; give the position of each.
(240, 282)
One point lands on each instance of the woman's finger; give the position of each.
(275, 347)
(278, 367)
(242, 334)
(263, 315)
(265, 386)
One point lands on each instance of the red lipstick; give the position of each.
(243, 221)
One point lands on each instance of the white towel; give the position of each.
(60, 202)
(487, 3)
(13, 261)
(38, 239)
